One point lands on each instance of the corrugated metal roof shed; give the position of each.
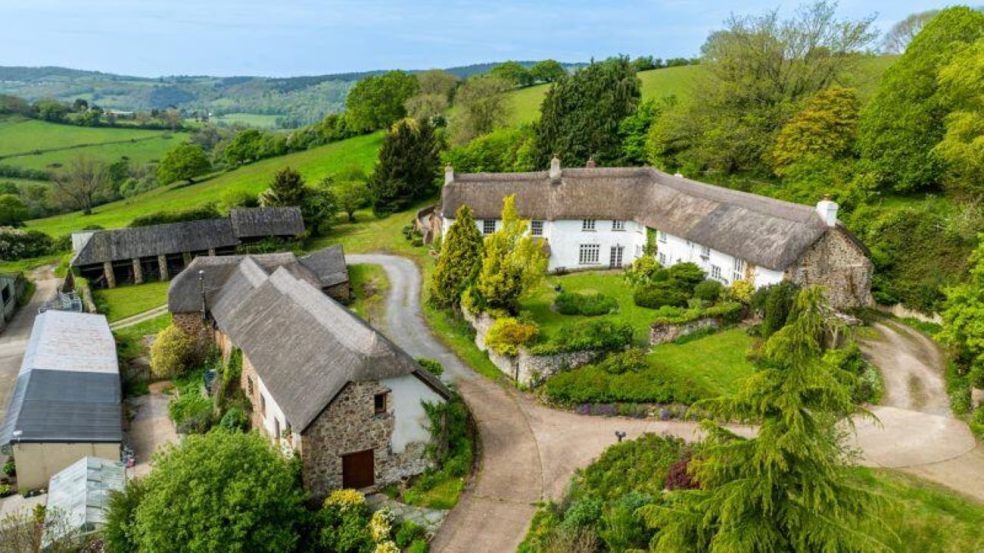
(68, 388)
(78, 496)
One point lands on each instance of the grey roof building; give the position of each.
(136, 254)
(78, 497)
(66, 399)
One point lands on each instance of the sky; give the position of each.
(313, 37)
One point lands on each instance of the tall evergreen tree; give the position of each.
(287, 189)
(408, 166)
(581, 113)
(513, 263)
(788, 488)
(460, 259)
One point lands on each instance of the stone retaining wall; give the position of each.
(526, 369)
(661, 333)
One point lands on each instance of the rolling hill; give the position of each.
(34, 144)
(313, 164)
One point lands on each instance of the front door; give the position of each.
(615, 259)
(358, 470)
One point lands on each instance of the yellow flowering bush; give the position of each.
(345, 499)
(379, 526)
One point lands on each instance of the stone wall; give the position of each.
(249, 372)
(661, 333)
(839, 264)
(526, 368)
(350, 425)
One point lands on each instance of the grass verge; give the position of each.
(126, 301)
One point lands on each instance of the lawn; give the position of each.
(718, 362)
(369, 285)
(313, 164)
(610, 283)
(139, 151)
(126, 301)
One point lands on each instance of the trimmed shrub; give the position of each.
(728, 313)
(591, 305)
(630, 360)
(592, 384)
(172, 353)
(592, 335)
(709, 291)
(508, 334)
(644, 270)
(345, 522)
(660, 294)
(741, 291)
(687, 275)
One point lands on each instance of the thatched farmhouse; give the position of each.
(66, 400)
(157, 252)
(320, 381)
(594, 218)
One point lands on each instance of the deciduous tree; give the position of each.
(962, 147)
(897, 38)
(377, 102)
(547, 71)
(183, 162)
(13, 212)
(512, 72)
(459, 261)
(826, 128)
(84, 182)
(481, 106)
(581, 114)
(905, 120)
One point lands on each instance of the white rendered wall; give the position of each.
(407, 393)
(274, 413)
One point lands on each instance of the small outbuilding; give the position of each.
(66, 399)
(78, 498)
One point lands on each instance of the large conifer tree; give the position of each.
(788, 488)
(460, 259)
(408, 166)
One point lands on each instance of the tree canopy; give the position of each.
(513, 263)
(408, 166)
(221, 491)
(581, 113)
(481, 106)
(825, 128)
(547, 71)
(183, 162)
(905, 120)
(377, 102)
(513, 72)
(459, 261)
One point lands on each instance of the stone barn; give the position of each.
(322, 383)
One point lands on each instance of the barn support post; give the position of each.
(187, 258)
(162, 264)
(108, 273)
(137, 271)
(211, 252)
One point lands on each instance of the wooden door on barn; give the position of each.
(358, 470)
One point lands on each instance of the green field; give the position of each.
(34, 144)
(248, 119)
(680, 81)
(313, 164)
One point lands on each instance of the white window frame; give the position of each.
(589, 254)
(486, 223)
(618, 225)
(587, 225)
(705, 252)
(536, 228)
(717, 274)
(738, 269)
(662, 258)
(661, 236)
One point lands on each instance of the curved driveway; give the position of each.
(528, 452)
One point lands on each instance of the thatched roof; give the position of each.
(763, 231)
(92, 247)
(304, 346)
(258, 222)
(154, 240)
(321, 269)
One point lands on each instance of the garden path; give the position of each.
(529, 452)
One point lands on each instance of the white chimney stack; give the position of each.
(828, 211)
(555, 168)
(448, 174)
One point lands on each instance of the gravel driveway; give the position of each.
(529, 452)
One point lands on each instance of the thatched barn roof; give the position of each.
(764, 231)
(304, 346)
(154, 240)
(92, 247)
(259, 222)
(321, 269)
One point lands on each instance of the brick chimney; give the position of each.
(591, 163)
(555, 168)
(448, 174)
(828, 211)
